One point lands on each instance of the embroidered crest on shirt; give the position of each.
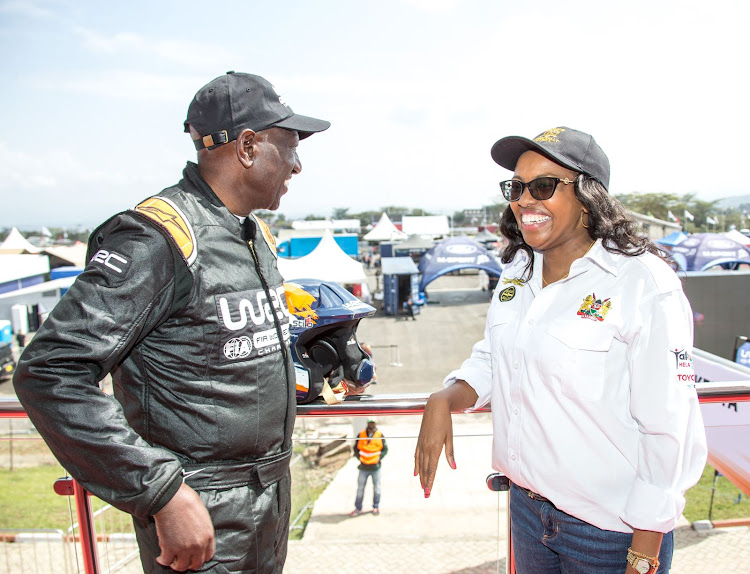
(507, 294)
(594, 309)
(684, 365)
(514, 281)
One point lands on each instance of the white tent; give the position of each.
(327, 262)
(426, 225)
(384, 231)
(738, 237)
(16, 243)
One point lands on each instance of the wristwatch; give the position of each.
(642, 563)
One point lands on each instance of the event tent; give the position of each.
(327, 262)
(15, 243)
(700, 251)
(738, 237)
(485, 236)
(674, 238)
(427, 225)
(453, 254)
(384, 230)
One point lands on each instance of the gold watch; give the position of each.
(642, 563)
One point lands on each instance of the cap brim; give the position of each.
(506, 152)
(305, 126)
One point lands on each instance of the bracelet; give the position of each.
(645, 556)
(642, 563)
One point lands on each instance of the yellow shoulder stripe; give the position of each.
(267, 235)
(169, 217)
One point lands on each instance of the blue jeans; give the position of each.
(362, 481)
(549, 541)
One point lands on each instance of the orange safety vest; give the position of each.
(370, 447)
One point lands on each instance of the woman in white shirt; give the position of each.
(586, 361)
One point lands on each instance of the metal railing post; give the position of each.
(86, 529)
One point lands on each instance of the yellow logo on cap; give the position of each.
(550, 136)
(168, 216)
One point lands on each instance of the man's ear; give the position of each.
(245, 147)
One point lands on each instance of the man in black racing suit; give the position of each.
(183, 303)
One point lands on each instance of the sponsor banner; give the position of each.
(246, 322)
(727, 424)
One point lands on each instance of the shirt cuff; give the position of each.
(652, 508)
(475, 378)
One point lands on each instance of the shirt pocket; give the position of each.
(586, 346)
(501, 326)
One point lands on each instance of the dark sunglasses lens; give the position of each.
(511, 189)
(543, 187)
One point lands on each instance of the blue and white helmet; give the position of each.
(323, 326)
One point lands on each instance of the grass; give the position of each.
(28, 500)
(726, 503)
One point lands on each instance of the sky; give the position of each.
(94, 95)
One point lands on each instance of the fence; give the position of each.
(97, 537)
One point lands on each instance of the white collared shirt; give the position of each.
(592, 388)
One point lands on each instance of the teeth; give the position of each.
(529, 218)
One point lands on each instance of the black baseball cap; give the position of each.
(233, 102)
(568, 147)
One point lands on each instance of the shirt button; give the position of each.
(530, 321)
(513, 457)
(516, 365)
(515, 411)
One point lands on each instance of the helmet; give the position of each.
(323, 326)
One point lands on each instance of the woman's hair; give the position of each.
(608, 220)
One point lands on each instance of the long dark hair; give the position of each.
(608, 220)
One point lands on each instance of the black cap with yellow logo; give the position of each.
(568, 147)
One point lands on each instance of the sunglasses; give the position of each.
(539, 188)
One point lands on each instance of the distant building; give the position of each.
(655, 228)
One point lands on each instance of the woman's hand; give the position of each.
(436, 431)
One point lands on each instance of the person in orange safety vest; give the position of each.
(370, 449)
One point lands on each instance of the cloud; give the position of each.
(28, 9)
(189, 53)
(434, 5)
(127, 85)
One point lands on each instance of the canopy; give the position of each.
(327, 262)
(738, 237)
(453, 254)
(485, 236)
(432, 225)
(16, 243)
(414, 241)
(700, 251)
(674, 238)
(384, 231)
(398, 266)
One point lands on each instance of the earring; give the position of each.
(582, 223)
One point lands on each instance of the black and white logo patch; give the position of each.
(111, 261)
(246, 321)
(238, 348)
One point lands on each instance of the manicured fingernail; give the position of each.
(427, 493)
(415, 473)
(453, 464)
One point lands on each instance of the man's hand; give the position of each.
(185, 531)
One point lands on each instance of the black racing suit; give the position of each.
(200, 379)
